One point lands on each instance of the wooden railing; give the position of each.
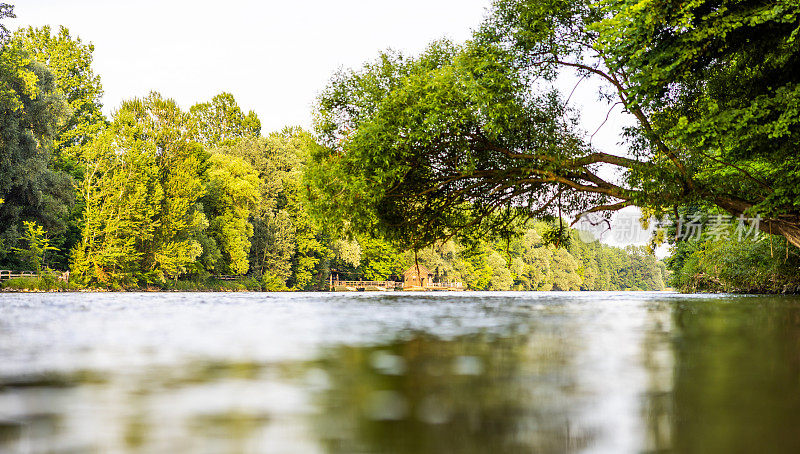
(394, 285)
(12, 274)
(365, 284)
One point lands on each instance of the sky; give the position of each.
(275, 57)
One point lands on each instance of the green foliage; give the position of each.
(31, 111)
(278, 160)
(729, 264)
(558, 235)
(523, 262)
(221, 121)
(472, 137)
(142, 184)
(426, 147)
(273, 283)
(70, 61)
(309, 251)
(6, 10)
(273, 245)
(33, 255)
(379, 260)
(210, 284)
(286, 244)
(50, 99)
(455, 143)
(232, 193)
(713, 87)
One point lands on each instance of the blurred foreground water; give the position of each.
(469, 372)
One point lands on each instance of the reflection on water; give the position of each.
(399, 373)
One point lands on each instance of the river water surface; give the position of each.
(468, 372)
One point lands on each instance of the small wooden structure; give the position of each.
(416, 276)
(413, 279)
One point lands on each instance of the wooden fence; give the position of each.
(12, 274)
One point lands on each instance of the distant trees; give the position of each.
(158, 204)
(286, 242)
(50, 105)
(523, 262)
(171, 193)
(35, 246)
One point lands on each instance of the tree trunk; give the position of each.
(787, 226)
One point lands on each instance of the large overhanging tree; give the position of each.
(470, 138)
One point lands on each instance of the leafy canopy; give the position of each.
(470, 137)
(423, 148)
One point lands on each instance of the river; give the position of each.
(471, 372)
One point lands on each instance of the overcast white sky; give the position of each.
(274, 56)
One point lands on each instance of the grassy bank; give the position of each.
(51, 284)
(38, 284)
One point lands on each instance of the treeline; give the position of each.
(524, 262)
(156, 193)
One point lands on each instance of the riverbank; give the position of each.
(51, 284)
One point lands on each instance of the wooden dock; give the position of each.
(383, 286)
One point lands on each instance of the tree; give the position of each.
(471, 137)
(37, 245)
(273, 245)
(563, 269)
(122, 198)
(502, 278)
(285, 243)
(408, 146)
(712, 85)
(31, 110)
(232, 193)
(379, 259)
(729, 261)
(6, 10)
(221, 121)
(142, 222)
(70, 61)
(536, 258)
(309, 251)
